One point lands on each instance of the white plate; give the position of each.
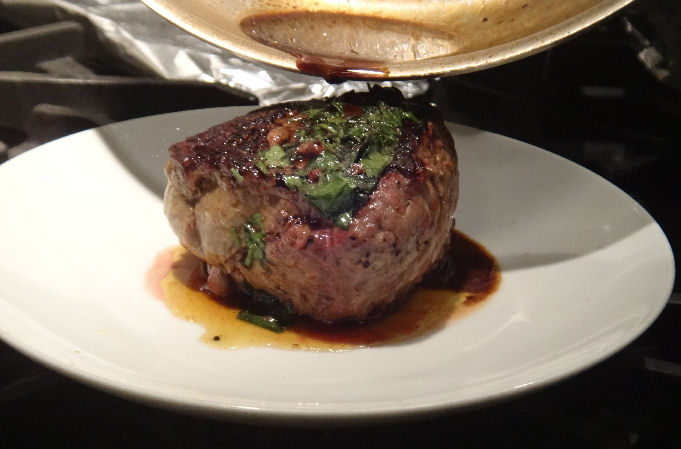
(585, 271)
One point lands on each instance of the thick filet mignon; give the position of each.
(337, 207)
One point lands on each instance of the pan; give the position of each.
(384, 39)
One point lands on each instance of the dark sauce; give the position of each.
(298, 33)
(468, 268)
(336, 70)
(468, 275)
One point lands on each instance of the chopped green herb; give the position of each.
(267, 322)
(375, 162)
(237, 240)
(237, 175)
(260, 302)
(338, 105)
(332, 195)
(293, 182)
(313, 112)
(263, 309)
(261, 166)
(274, 157)
(254, 237)
(327, 162)
(365, 140)
(343, 219)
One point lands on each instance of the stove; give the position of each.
(608, 99)
(55, 80)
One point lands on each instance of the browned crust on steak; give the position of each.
(323, 271)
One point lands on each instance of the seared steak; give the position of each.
(337, 207)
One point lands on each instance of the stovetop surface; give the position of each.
(589, 99)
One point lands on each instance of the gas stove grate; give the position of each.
(54, 81)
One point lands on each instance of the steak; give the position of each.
(336, 207)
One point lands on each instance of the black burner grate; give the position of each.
(53, 82)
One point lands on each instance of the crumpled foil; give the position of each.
(135, 34)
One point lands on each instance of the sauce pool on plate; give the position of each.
(468, 275)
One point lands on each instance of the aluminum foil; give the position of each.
(135, 34)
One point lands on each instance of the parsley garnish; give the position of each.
(366, 141)
(237, 176)
(263, 309)
(254, 241)
(268, 322)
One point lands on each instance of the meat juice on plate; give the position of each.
(468, 275)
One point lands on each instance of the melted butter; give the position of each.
(176, 274)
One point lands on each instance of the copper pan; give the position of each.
(384, 38)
